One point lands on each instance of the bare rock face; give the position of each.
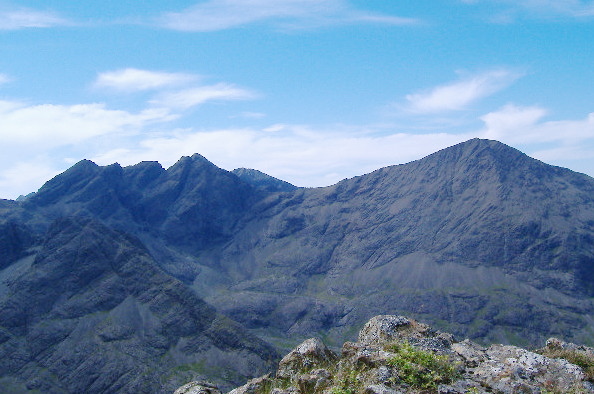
(512, 369)
(396, 354)
(254, 386)
(388, 328)
(311, 353)
(198, 388)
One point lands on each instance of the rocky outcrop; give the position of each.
(198, 388)
(395, 354)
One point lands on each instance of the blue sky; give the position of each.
(309, 91)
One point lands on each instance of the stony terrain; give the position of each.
(395, 354)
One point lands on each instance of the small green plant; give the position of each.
(346, 384)
(421, 369)
(342, 390)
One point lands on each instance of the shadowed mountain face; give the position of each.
(90, 311)
(477, 239)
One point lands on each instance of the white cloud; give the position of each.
(458, 95)
(525, 125)
(175, 90)
(23, 177)
(564, 153)
(298, 154)
(132, 79)
(215, 15)
(15, 19)
(305, 155)
(53, 125)
(513, 122)
(34, 139)
(191, 97)
(567, 143)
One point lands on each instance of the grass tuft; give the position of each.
(421, 369)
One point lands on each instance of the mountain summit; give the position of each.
(478, 239)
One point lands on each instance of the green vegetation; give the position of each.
(347, 384)
(343, 390)
(421, 369)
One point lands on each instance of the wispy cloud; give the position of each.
(188, 98)
(133, 79)
(47, 132)
(22, 18)
(54, 125)
(458, 95)
(172, 90)
(525, 125)
(23, 177)
(4, 79)
(303, 155)
(215, 15)
(571, 8)
(577, 8)
(568, 143)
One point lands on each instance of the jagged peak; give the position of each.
(82, 166)
(194, 161)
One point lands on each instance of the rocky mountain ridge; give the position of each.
(478, 239)
(474, 235)
(395, 354)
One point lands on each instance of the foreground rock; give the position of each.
(395, 354)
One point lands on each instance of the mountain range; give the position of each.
(128, 278)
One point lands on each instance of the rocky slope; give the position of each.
(395, 354)
(89, 311)
(477, 239)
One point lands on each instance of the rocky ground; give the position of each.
(395, 354)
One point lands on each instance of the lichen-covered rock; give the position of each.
(397, 355)
(387, 328)
(312, 353)
(198, 388)
(554, 344)
(254, 386)
(510, 369)
(384, 329)
(380, 389)
(472, 354)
